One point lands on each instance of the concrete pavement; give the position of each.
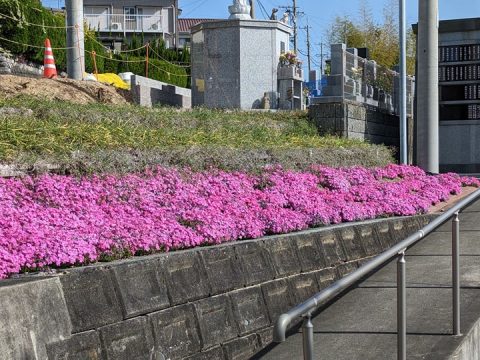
(361, 324)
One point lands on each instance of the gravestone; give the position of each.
(235, 62)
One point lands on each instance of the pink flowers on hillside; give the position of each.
(58, 220)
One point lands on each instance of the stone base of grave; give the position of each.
(234, 63)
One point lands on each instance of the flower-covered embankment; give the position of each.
(56, 220)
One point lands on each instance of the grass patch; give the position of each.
(97, 134)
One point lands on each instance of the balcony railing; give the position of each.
(125, 23)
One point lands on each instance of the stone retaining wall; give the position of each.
(355, 120)
(9, 65)
(216, 302)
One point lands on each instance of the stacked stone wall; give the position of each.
(218, 302)
(11, 65)
(353, 120)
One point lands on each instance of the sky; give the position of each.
(318, 14)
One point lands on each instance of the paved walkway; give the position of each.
(362, 323)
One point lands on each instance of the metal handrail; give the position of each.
(306, 308)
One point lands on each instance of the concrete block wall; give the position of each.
(9, 65)
(216, 302)
(148, 92)
(355, 120)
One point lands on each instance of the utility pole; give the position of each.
(294, 13)
(308, 48)
(321, 59)
(252, 9)
(295, 33)
(427, 85)
(321, 56)
(75, 39)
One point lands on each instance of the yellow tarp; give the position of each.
(113, 79)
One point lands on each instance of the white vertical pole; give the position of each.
(75, 39)
(427, 85)
(403, 85)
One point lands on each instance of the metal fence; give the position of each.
(307, 308)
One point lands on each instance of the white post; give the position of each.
(75, 39)
(427, 85)
(403, 85)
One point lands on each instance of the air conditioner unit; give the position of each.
(155, 26)
(116, 26)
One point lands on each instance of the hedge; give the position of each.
(22, 13)
(158, 70)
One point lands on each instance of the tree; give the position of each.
(343, 30)
(380, 38)
(366, 23)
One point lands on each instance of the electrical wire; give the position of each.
(116, 60)
(169, 73)
(32, 24)
(161, 58)
(197, 7)
(36, 46)
(108, 49)
(263, 10)
(301, 52)
(93, 53)
(193, 3)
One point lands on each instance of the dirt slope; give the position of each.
(82, 92)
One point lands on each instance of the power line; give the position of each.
(197, 7)
(192, 3)
(307, 28)
(24, 22)
(35, 46)
(294, 14)
(322, 55)
(262, 8)
(162, 58)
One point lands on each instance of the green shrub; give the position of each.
(99, 138)
(17, 29)
(158, 70)
(92, 45)
(111, 66)
(20, 30)
(22, 13)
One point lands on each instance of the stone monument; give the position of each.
(235, 61)
(239, 10)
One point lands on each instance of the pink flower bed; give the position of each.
(56, 220)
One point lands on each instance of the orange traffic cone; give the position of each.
(49, 68)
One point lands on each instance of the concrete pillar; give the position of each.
(403, 84)
(427, 85)
(75, 39)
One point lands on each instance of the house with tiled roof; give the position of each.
(116, 20)
(184, 29)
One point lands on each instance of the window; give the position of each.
(184, 42)
(130, 13)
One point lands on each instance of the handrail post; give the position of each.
(307, 332)
(401, 308)
(456, 274)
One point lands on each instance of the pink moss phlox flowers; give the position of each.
(55, 220)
